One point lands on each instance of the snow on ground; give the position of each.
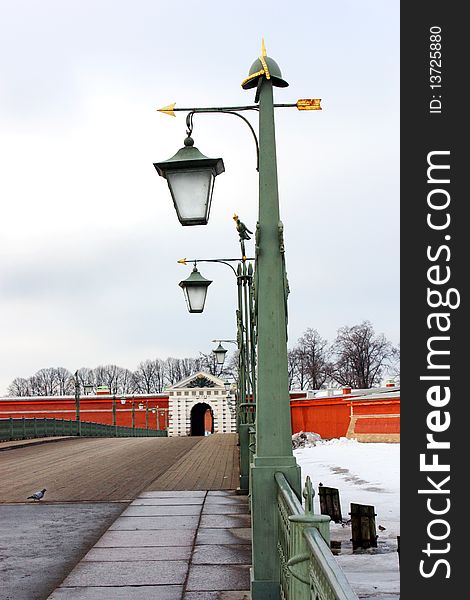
(365, 473)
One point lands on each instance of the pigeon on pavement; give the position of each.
(37, 495)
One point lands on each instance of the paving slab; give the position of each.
(225, 509)
(136, 523)
(121, 573)
(168, 501)
(218, 554)
(218, 577)
(161, 592)
(139, 510)
(225, 521)
(130, 554)
(142, 538)
(226, 500)
(173, 494)
(224, 595)
(223, 536)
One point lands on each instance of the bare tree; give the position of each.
(394, 370)
(361, 356)
(291, 367)
(85, 376)
(149, 376)
(313, 363)
(179, 368)
(208, 363)
(117, 379)
(19, 387)
(125, 381)
(64, 382)
(47, 382)
(172, 370)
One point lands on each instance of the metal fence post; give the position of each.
(299, 560)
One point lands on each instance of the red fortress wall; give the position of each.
(96, 408)
(368, 418)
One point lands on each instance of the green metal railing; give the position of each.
(246, 419)
(308, 569)
(22, 429)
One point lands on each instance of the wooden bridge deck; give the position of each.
(212, 464)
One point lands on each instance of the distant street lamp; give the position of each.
(220, 353)
(195, 290)
(141, 407)
(157, 417)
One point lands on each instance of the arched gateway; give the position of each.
(197, 404)
(202, 419)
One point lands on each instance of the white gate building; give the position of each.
(199, 405)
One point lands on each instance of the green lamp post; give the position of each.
(273, 452)
(273, 431)
(114, 415)
(77, 403)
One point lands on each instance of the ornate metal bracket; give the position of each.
(282, 250)
(308, 493)
(295, 560)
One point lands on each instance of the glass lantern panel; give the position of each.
(195, 297)
(191, 192)
(220, 357)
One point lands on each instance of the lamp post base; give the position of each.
(263, 589)
(264, 519)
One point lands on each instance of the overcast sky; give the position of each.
(89, 238)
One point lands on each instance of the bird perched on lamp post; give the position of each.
(37, 495)
(242, 229)
(243, 232)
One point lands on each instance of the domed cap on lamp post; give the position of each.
(267, 66)
(195, 291)
(220, 353)
(190, 176)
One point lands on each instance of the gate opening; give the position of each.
(202, 419)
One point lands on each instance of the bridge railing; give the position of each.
(308, 569)
(22, 429)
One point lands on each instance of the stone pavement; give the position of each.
(169, 545)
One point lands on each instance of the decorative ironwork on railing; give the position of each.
(308, 569)
(22, 429)
(247, 412)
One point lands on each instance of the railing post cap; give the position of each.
(309, 518)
